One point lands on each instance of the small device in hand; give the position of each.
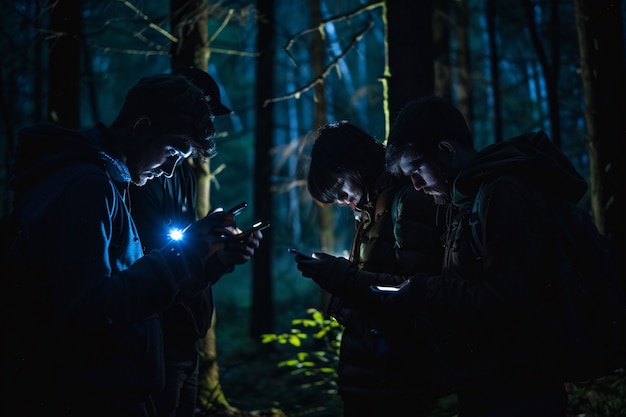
(297, 252)
(238, 208)
(260, 225)
(389, 288)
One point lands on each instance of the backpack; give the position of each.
(588, 310)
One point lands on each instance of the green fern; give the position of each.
(313, 345)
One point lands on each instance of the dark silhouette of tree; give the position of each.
(495, 70)
(549, 66)
(441, 45)
(189, 26)
(411, 53)
(262, 312)
(64, 63)
(463, 62)
(599, 24)
(320, 116)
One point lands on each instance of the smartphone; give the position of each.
(297, 252)
(381, 288)
(389, 288)
(238, 208)
(260, 225)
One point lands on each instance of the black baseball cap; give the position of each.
(209, 87)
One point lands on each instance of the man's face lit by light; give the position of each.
(176, 234)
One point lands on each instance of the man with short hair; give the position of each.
(81, 328)
(162, 206)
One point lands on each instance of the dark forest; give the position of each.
(288, 67)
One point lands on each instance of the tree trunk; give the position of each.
(495, 70)
(189, 22)
(550, 68)
(604, 76)
(64, 62)
(441, 43)
(262, 319)
(320, 116)
(410, 52)
(463, 66)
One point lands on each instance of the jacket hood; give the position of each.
(531, 157)
(46, 147)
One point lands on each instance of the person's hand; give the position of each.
(206, 234)
(239, 251)
(335, 275)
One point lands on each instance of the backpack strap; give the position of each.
(477, 236)
(394, 205)
(383, 200)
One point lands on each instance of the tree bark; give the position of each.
(603, 72)
(495, 70)
(549, 67)
(189, 22)
(64, 64)
(262, 319)
(463, 66)
(441, 46)
(410, 52)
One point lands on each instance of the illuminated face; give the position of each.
(348, 193)
(159, 156)
(426, 175)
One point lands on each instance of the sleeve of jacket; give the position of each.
(97, 276)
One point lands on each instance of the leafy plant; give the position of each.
(315, 345)
(603, 397)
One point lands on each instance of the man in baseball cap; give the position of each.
(209, 87)
(159, 209)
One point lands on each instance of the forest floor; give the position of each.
(257, 387)
(263, 381)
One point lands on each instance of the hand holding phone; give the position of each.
(238, 208)
(260, 225)
(297, 252)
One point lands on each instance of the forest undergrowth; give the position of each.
(292, 374)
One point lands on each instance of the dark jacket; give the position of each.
(87, 303)
(157, 207)
(388, 355)
(494, 342)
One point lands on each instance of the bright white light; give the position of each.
(176, 234)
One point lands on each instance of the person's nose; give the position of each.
(418, 181)
(168, 166)
(342, 198)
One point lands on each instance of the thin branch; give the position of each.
(152, 25)
(337, 18)
(148, 52)
(233, 52)
(225, 22)
(320, 78)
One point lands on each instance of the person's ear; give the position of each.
(447, 147)
(142, 124)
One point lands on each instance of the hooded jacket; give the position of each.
(158, 206)
(488, 311)
(85, 309)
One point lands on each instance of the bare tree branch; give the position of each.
(163, 50)
(323, 23)
(225, 22)
(320, 78)
(150, 24)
